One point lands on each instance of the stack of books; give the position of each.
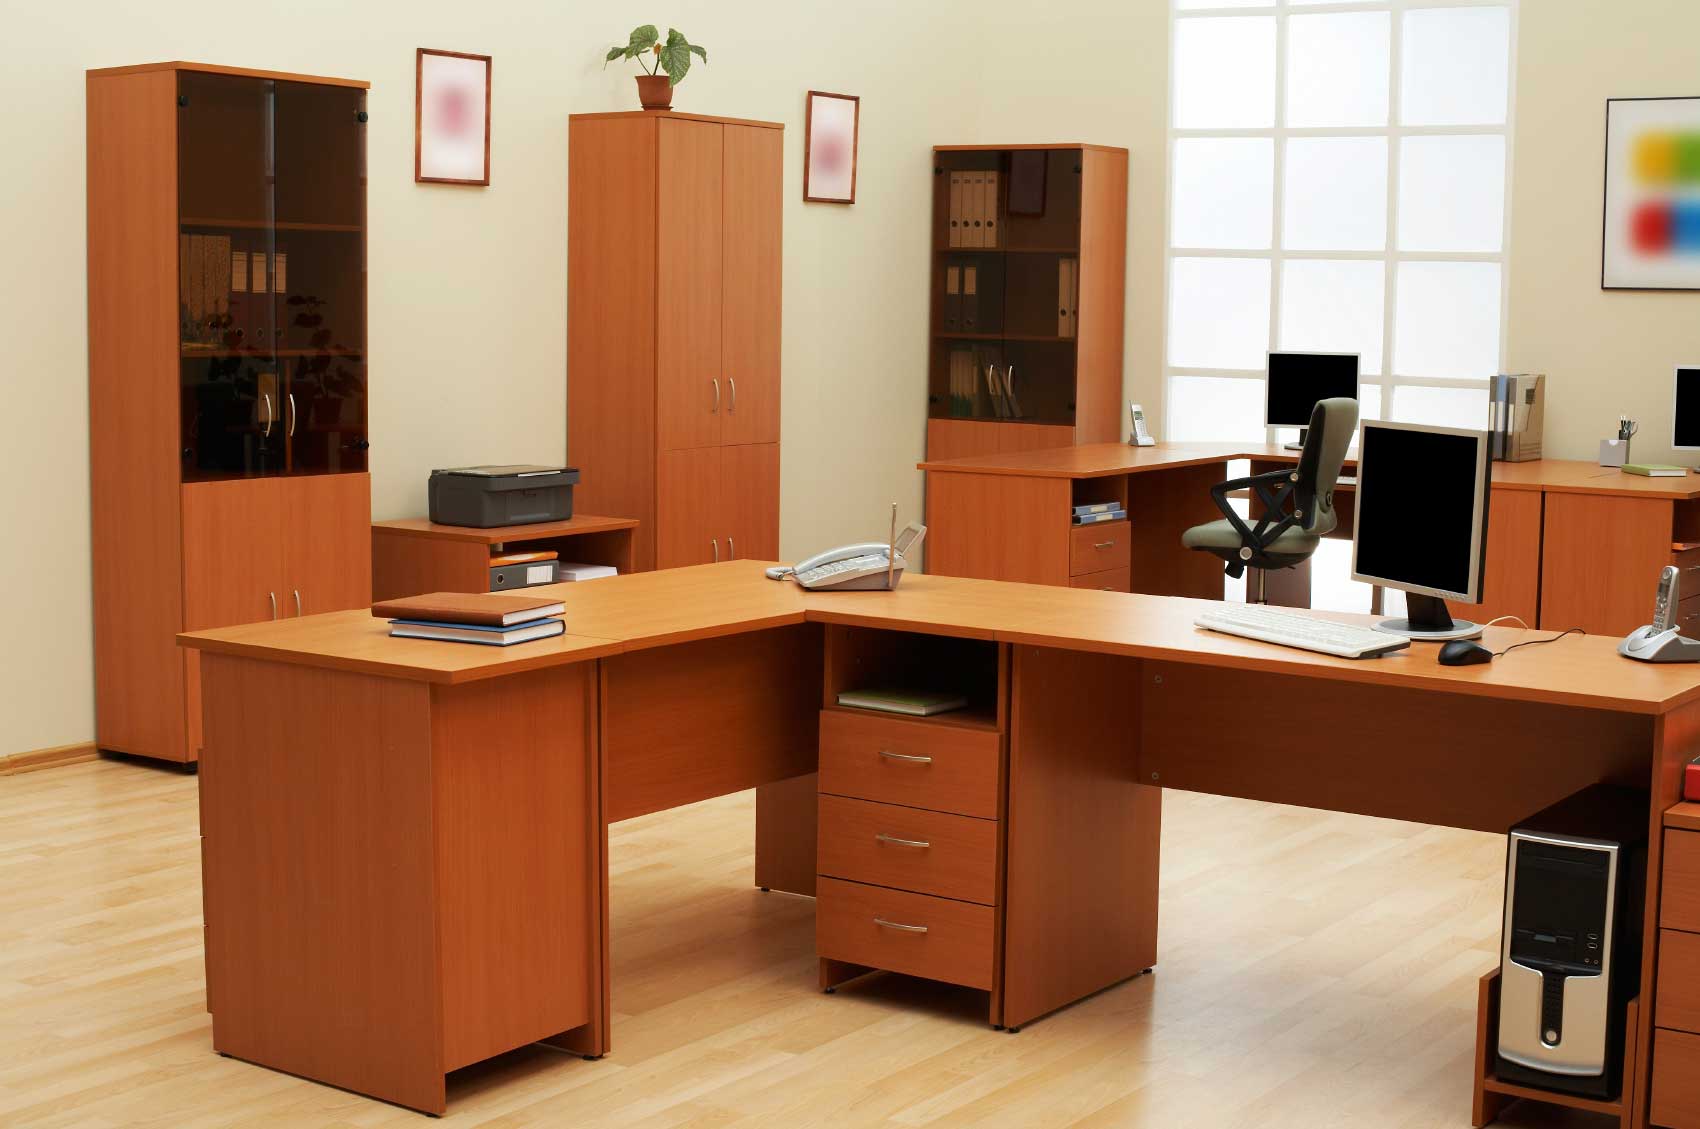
(467, 617)
(1099, 511)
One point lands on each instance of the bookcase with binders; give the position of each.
(1028, 285)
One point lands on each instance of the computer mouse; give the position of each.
(1464, 652)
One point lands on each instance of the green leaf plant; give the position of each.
(655, 56)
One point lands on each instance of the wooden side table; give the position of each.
(412, 555)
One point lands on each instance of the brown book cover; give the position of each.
(485, 608)
(531, 556)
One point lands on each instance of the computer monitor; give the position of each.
(1421, 522)
(1297, 381)
(1685, 419)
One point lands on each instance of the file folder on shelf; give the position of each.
(952, 319)
(970, 317)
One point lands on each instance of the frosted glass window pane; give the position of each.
(1332, 588)
(1335, 194)
(1334, 306)
(1451, 193)
(1219, 313)
(1455, 67)
(1215, 408)
(1441, 407)
(1187, 5)
(1224, 70)
(1224, 193)
(1448, 320)
(1337, 69)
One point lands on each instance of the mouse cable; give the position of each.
(1538, 642)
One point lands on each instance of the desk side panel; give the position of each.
(1378, 750)
(1600, 560)
(1162, 505)
(998, 527)
(1511, 575)
(1083, 837)
(318, 881)
(516, 863)
(405, 565)
(689, 722)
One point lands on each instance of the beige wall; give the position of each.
(1605, 352)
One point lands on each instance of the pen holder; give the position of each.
(1614, 452)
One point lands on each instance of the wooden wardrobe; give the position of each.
(227, 373)
(673, 299)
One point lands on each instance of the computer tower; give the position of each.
(1570, 953)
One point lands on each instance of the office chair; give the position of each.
(1298, 502)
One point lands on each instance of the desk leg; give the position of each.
(785, 835)
(1083, 836)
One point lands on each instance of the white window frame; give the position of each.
(1390, 255)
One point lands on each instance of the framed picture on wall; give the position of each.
(1651, 231)
(451, 114)
(830, 134)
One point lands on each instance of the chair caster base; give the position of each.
(1013, 1030)
(591, 1058)
(830, 991)
(765, 889)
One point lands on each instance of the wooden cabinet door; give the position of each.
(327, 549)
(690, 390)
(232, 552)
(688, 527)
(1600, 558)
(753, 201)
(749, 501)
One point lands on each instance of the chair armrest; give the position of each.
(1272, 488)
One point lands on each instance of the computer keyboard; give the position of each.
(1253, 621)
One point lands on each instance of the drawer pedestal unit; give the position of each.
(1675, 1100)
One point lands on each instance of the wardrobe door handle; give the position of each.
(899, 925)
(732, 383)
(882, 837)
(716, 382)
(267, 397)
(298, 603)
(731, 549)
(715, 541)
(272, 596)
(292, 415)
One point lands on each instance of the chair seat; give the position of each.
(1220, 536)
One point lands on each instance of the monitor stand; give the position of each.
(1429, 621)
(1305, 431)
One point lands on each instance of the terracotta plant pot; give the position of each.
(655, 91)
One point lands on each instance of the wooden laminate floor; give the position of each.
(1316, 970)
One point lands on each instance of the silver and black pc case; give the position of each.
(1570, 953)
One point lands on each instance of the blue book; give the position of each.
(490, 636)
(1096, 508)
(1094, 519)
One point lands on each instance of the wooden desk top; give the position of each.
(578, 523)
(623, 613)
(1101, 460)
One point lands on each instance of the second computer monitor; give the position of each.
(1298, 381)
(1421, 521)
(1685, 421)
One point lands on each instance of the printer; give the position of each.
(489, 496)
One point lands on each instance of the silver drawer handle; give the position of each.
(1105, 545)
(905, 757)
(882, 837)
(899, 926)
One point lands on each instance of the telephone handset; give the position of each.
(870, 565)
(1138, 435)
(1661, 641)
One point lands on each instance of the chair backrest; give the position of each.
(1332, 425)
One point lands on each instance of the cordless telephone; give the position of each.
(1661, 641)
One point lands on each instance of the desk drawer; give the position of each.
(1678, 992)
(946, 940)
(1676, 1079)
(916, 763)
(1095, 548)
(1687, 610)
(1679, 893)
(929, 852)
(1110, 580)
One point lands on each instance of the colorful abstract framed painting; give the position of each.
(1650, 237)
(830, 133)
(451, 115)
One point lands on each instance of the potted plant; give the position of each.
(664, 64)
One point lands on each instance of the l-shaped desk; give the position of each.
(1570, 544)
(404, 842)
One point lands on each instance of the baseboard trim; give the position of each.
(34, 759)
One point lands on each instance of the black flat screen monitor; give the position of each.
(1298, 380)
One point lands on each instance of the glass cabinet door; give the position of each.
(320, 139)
(231, 390)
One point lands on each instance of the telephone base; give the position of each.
(1644, 644)
(1136, 441)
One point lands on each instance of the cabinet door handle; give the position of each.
(272, 596)
(882, 837)
(267, 397)
(732, 383)
(715, 541)
(291, 415)
(298, 603)
(900, 926)
(912, 759)
(731, 549)
(716, 382)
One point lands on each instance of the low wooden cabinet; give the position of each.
(673, 330)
